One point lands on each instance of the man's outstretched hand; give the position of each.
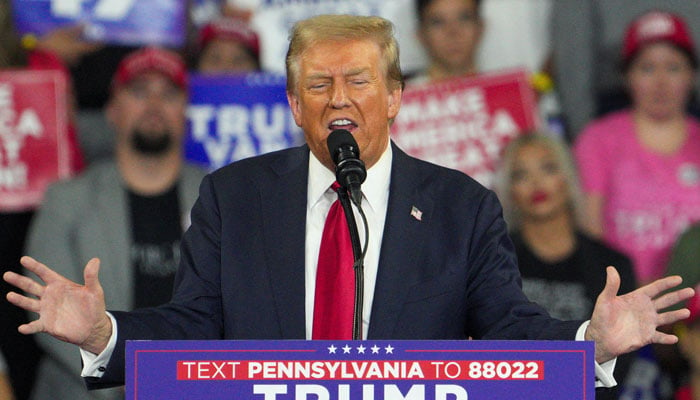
(67, 311)
(621, 324)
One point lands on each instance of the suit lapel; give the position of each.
(284, 221)
(402, 245)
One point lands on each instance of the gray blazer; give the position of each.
(80, 219)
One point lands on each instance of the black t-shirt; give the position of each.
(155, 247)
(568, 289)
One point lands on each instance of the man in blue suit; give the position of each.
(439, 264)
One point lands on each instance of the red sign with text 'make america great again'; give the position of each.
(33, 136)
(466, 123)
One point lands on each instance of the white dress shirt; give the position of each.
(320, 197)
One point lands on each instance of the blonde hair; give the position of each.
(308, 32)
(504, 175)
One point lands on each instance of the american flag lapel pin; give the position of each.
(416, 213)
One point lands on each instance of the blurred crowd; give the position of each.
(610, 177)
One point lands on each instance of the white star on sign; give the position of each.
(375, 349)
(346, 349)
(389, 349)
(332, 349)
(361, 349)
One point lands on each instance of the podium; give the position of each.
(359, 370)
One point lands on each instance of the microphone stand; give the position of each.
(358, 256)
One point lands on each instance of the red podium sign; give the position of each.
(359, 370)
(466, 123)
(33, 136)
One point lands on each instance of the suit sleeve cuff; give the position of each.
(94, 365)
(603, 372)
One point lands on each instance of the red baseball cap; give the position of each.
(655, 26)
(151, 59)
(230, 29)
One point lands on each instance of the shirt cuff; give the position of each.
(603, 372)
(94, 365)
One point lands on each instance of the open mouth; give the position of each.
(342, 123)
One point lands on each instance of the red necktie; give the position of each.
(334, 300)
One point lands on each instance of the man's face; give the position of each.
(343, 85)
(148, 114)
(450, 32)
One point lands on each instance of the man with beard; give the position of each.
(131, 210)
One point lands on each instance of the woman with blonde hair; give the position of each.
(562, 269)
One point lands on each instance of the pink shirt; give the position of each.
(650, 198)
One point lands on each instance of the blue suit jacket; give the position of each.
(451, 275)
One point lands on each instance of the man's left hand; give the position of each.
(621, 324)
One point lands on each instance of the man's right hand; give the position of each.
(67, 311)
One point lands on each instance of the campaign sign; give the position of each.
(231, 117)
(34, 146)
(359, 370)
(127, 22)
(466, 123)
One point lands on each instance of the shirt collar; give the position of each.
(375, 188)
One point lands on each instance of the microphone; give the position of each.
(350, 171)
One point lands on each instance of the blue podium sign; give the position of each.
(359, 370)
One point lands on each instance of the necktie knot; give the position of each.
(335, 186)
